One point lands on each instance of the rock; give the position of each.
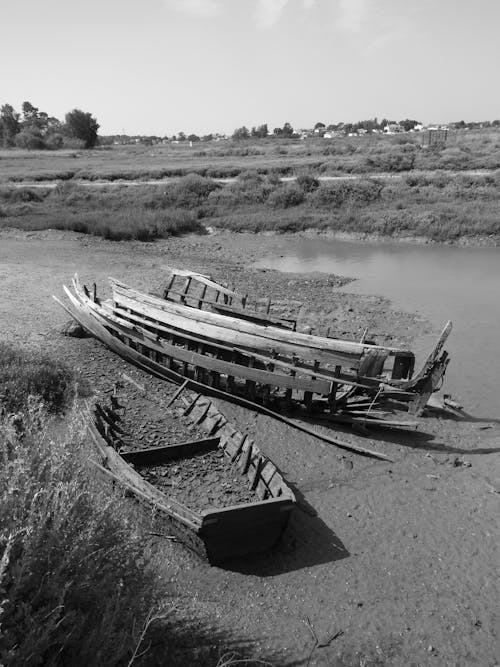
(73, 329)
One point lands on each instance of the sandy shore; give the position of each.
(401, 559)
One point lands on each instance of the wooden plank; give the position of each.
(177, 393)
(324, 374)
(252, 340)
(144, 457)
(254, 316)
(246, 457)
(261, 510)
(205, 280)
(239, 448)
(256, 473)
(262, 377)
(283, 335)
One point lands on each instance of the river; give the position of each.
(440, 283)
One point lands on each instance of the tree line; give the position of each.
(370, 125)
(35, 129)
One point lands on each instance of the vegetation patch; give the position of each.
(25, 374)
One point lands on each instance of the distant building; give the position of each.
(393, 128)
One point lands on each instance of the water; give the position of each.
(439, 282)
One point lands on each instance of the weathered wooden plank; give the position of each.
(143, 457)
(254, 316)
(350, 348)
(205, 280)
(262, 377)
(217, 333)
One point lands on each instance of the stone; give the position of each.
(73, 329)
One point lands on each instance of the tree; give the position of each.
(9, 124)
(193, 138)
(287, 130)
(319, 126)
(241, 133)
(260, 132)
(82, 125)
(407, 124)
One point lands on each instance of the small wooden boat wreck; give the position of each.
(261, 363)
(216, 533)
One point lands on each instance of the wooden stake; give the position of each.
(177, 393)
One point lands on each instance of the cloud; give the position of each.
(308, 4)
(197, 8)
(351, 15)
(269, 12)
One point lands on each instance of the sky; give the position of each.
(199, 66)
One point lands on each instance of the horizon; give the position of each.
(211, 66)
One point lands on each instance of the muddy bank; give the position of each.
(399, 558)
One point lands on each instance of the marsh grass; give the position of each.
(32, 374)
(421, 201)
(75, 584)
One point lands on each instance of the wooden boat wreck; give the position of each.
(216, 533)
(260, 363)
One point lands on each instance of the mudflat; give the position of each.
(383, 563)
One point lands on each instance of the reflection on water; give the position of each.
(441, 283)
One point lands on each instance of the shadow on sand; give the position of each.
(417, 439)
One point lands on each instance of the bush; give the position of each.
(286, 196)
(336, 193)
(54, 141)
(394, 158)
(190, 191)
(307, 182)
(25, 374)
(23, 195)
(30, 140)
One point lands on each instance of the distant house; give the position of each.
(393, 128)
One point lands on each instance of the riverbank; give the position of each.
(393, 584)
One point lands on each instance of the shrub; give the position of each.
(190, 191)
(395, 158)
(54, 141)
(337, 193)
(25, 374)
(307, 182)
(23, 195)
(250, 175)
(286, 196)
(30, 140)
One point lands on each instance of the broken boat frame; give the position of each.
(259, 363)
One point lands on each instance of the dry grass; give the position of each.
(75, 584)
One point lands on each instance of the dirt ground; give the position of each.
(395, 563)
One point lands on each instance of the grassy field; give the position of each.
(350, 155)
(444, 193)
